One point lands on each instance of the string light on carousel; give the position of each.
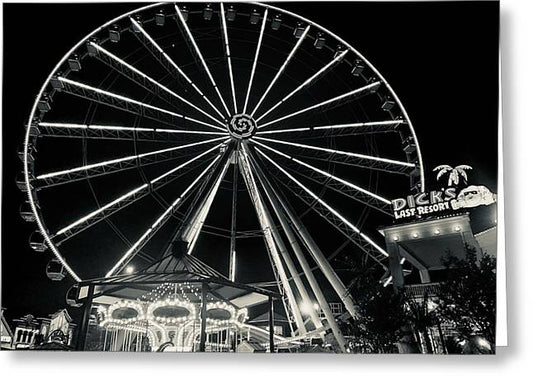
(121, 314)
(171, 311)
(222, 313)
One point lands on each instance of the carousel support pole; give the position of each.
(203, 316)
(271, 323)
(84, 326)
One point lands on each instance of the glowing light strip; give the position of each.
(132, 192)
(122, 128)
(131, 101)
(228, 55)
(187, 163)
(174, 65)
(281, 69)
(198, 52)
(159, 221)
(100, 210)
(336, 152)
(260, 40)
(338, 58)
(194, 232)
(326, 174)
(153, 81)
(331, 100)
(336, 126)
(318, 199)
(100, 164)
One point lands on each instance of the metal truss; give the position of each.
(160, 221)
(127, 104)
(228, 56)
(254, 65)
(339, 130)
(347, 158)
(166, 62)
(198, 54)
(122, 202)
(170, 97)
(324, 178)
(115, 165)
(281, 69)
(115, 132)
(329, 104)
(362, 241)
(307, 83)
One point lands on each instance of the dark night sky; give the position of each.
(440, 58)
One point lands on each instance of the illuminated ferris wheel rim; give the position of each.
(31, 194)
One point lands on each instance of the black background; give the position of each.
(440, 58)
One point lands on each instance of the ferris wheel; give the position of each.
(158, 114)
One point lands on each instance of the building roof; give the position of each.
(4, 326)
(264, 318)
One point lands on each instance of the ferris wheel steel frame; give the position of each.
(249, 156)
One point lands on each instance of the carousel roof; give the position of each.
(182, 268)
(186, 263)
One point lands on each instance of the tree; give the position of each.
(382, 315)
(467, 298)
(454, 173)
(422, 315)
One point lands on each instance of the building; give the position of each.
(53, 333)
(416, 251)
(6, 334)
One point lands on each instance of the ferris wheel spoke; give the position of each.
(335, 183)
(144, 80)
(321, 131)
(158, 223)
(228, 56)
(130, 197)
(307, 83)
(198, 54)
(256, 57)
(115, 132)
(196, 220)
(281, 69)
(127, 104)
(329, 213)
(348, 158)
(120, 164)
(331, 103)
(167, 62)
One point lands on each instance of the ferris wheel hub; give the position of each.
(242, 126)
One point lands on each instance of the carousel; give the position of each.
(178, 304)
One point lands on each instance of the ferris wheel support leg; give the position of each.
(288, 260)
(268, 234)
(275, 201)
(319, 258)
(233, 241)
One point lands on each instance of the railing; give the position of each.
(418, 290)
